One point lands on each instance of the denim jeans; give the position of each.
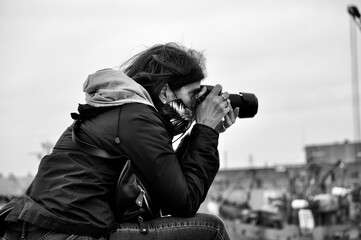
(31, 232)
(201, 226)
(36, 233)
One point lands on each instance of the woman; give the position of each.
(135, 111)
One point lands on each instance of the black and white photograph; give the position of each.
(184, 119)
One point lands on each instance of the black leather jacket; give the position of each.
(73, 191)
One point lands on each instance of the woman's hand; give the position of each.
(215, 111)
(229, 119)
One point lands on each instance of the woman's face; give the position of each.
(187, 93)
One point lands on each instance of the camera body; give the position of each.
(247, 102)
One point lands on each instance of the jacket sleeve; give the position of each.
(178, 182)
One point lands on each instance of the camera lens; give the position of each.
(247, 103)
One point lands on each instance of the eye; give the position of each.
(195, 92)
(194, 95)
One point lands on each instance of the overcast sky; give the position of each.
(294, 55)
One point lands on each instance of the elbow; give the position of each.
(186, 208)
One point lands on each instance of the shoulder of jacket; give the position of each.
(135, 111)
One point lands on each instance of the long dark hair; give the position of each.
(165, 63)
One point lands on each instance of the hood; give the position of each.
(111, 87)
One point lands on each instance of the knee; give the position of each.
(217, 224)
(213, 221)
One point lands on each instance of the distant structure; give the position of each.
(13, 186)
(347, 152)
(355, 21)
(46, 147)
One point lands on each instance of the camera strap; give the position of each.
(90, 148)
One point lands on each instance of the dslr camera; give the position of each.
(247, 102)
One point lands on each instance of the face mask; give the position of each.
(178, 114)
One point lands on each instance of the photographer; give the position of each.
(135, 111)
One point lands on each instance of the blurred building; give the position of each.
(347, 152)
(13, 186)
(326, 166)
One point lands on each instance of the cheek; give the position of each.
(188, 102)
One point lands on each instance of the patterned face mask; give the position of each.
(178, 114)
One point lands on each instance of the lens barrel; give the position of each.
(247, 103)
